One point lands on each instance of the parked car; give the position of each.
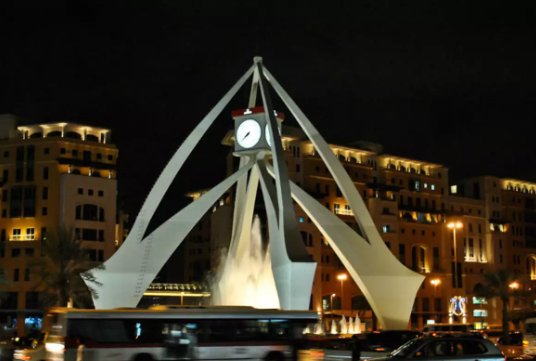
(31, 348)
(373, 344)
(448, 347)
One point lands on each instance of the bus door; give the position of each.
(181, 341)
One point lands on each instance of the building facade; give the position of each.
(53, 175)
(453, 234)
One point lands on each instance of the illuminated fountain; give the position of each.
(248, 281)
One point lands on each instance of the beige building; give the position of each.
(52, 174)
(412, 204)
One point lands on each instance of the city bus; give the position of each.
(529, 336)
(175, 333)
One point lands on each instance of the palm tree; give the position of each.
(498, 284)
(63, 270)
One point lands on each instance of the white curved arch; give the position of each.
(128, 261)
(135, 266)
(388, 286)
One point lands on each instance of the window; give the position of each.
(301, 219)
(89, 234)
(436, 257)
(5, 176)
(27, 275)
(15, 252)
(90, 192)
(47, 150)
(101, 255)
(437, 305)
(30, 234)
(89, 212)
(101, 193)
(402, 253)
(6, 154)
(426, 304)
(45, 173)
(29, 252)
(45, 193)
(479, 301)
(16, 275)
(63, 151)
(432, 187)
(327, 277)
(385, 228)
(99, 156)
(4, 213)
(80, 191)
(297, 168)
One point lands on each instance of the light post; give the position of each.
(331, 302)
(454, 226)
(342, 277)
(435, 283)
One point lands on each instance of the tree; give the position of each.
(498, 284)
(63, 269)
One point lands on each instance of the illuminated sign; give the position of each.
(458, 306)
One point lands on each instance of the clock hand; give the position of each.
(246, 136)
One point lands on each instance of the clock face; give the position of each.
(248, 133)
(268, 137)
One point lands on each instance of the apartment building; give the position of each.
(59, 174)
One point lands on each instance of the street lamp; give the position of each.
(331, 302)
(514, 285)
(342, 277)
(435, 282)
(454, 226)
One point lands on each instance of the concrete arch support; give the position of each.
(122, 276)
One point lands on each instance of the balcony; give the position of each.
(316, 195)
(419, 209)
(344, 212)
(86, 163)
(22, 237)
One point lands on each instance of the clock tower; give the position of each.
(251, 130)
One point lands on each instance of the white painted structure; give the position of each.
(389, 286)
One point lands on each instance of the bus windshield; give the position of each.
(530, 328)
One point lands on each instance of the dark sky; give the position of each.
(443, 81)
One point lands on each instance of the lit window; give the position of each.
(479, 301)
(386, 228)
(432, 187)
(425, 185)
(480, 313)
(301, 219)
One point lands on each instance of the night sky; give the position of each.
(447, 82)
